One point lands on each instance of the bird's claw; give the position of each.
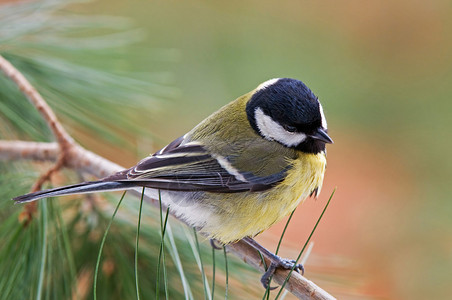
(265, 279)
(289, 264)
(279, 263)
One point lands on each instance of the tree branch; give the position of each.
(68, 153)
(36, 99)
(18, 150)
(81, 159)
(65, 141)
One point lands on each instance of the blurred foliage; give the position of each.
(56, 49)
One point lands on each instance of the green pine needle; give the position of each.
(227, 273)
(267, 291)
(66, 244)
(201, 266)
(165, 277)
(161, 257)
(284, 231)
(137, 287)
(96, 272)
(305, 244)
(44, 248)
(176, 259)
(213, 272)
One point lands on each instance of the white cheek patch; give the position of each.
(324, 125)
(271, 130)
(267, 84)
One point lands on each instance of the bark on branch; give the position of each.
(65, 141)
(36, 99)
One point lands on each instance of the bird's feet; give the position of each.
(275, 262)
(278, 262)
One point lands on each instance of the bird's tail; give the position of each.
(80, 188)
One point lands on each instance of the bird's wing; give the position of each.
(190, 167)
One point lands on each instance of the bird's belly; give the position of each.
(229, 217)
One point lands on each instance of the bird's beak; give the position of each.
(321, 135)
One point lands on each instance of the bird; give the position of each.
(237, 172)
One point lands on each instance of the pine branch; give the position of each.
(80, 159)
(65, 141)
(66, 152)
(63, 138)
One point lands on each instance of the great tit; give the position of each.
(240, 170)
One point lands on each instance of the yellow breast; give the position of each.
(247, 214)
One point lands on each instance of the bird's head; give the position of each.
(286, 111)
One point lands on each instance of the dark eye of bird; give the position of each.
(290, 128)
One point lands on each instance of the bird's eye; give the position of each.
(290, 128)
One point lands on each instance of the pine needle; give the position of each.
(227, 273)
(176, 259)
(267, 291)
(213, 272)
(306, 243)
(66, 244)
(303, 261)
(284, 232)
(44, 248)
(203, 274)
(96, 272)
(165, 277)
(137, 287)
(161, 257)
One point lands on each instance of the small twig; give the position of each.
(46, 176)
(21, 150)
(81, 160)
(65, 141)
(62, 137)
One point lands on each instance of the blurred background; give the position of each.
(383, 72)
